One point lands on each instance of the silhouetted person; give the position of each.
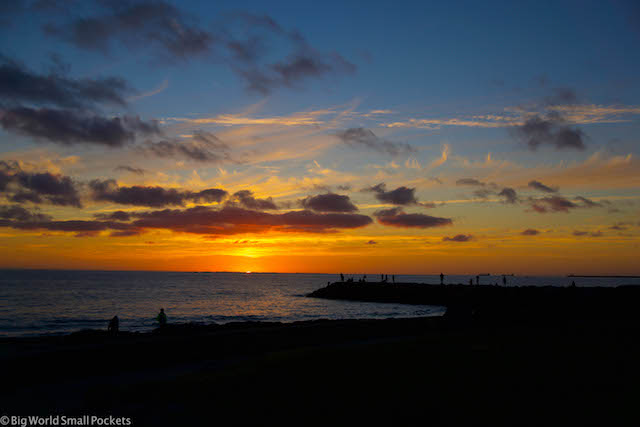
(477, 280)
(364, 278)
(341, 277)
(471, 282)
(162, 318)
(114, 325)
(393, 278)
(441, 279)
(573, 284)
(504, 280)
(382, 277)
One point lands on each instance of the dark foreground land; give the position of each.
(454, 370)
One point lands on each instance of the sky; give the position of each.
(371, 137)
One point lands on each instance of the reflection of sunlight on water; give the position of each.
(62, 301)
(39, 302)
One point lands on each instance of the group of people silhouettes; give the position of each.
(384, 278)
(114, 323)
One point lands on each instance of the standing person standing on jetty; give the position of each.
(114, 325)
(341, 277)
(470, 282)
(441, 279)
(504, 280)
(162, 318)
(477, 280)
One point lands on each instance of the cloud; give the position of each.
(329, 202)
(530, 232)
(69, 127)
(19, 213)
(242, 40)
(579, 233)
(360, 137)
(399, 196)
(372, 242)
(109, 191)
(134, 24)
(509, 195)
(21, 186)
(550, 130)
(19, 85)
(537, 185)
(114, 216)
(470, 181)
(588, 203)
(552, 204)
(234, 220)
(246, 199)
(395, 217)
(202, 147)
(124, 168)
(83, 228)
(561, 204)
(458, 238)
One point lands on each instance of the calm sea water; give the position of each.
(54, 302)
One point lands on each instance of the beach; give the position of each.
(437, 370)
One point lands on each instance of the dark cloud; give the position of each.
(246, 199)
(470, 181)
(299, 66)
(621, 226)
(587, 203)
(372, 242)
(561, 96)
(345, 187)
(235, 220)
(21, 186)
(530, 232)
(124, 168)
(242, 40)
(561, 204)
(550, 130)
(578, 233)
(19, 85)
(552, 204)
(84, 228)
(360, 137)
(21, 214)
(114, 216)
(537, 185)
(329, 202)
(399, 196)
(125, 233)
(509, 194)
(70, 127)
(202, 147)
(458, 238)
(151, 196)
(395, 217)
(136, 24)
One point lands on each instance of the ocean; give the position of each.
(40, 302)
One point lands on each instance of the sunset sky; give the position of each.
(334, 136)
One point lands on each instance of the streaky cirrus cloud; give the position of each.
(201, 147)
(365, 138)
(396, 217)
(329, 202)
